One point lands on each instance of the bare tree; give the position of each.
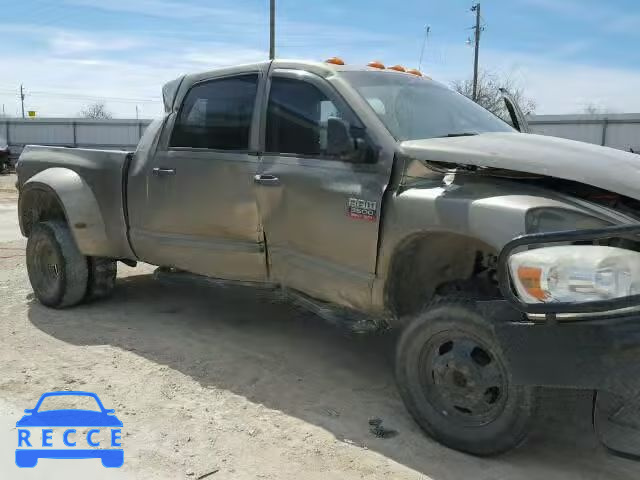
(592, 109)
(490, 97)
(96, 110)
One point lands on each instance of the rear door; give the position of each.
(198, 210)
(320, 212)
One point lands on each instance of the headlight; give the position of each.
(575, 274)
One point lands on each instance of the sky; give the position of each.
(565, 54)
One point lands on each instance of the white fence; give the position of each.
(72, 132)
(620, 131)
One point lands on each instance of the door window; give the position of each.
(297, 116)
(217, 114)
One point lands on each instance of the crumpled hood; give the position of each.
(602, 167)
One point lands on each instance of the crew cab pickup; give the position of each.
(509, 261)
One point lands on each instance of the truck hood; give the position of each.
(606, 168)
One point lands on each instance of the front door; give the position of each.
(200, 212)
(320, 211)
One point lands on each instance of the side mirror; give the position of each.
(109, 411)
(28, 410)
(339, 140)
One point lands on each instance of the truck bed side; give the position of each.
(86, 186)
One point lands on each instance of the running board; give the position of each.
(341, 317)
(170, 274)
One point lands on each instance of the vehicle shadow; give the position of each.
(286, 359)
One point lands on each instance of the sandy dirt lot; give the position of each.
(210, 379)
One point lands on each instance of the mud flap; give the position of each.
(616, 421)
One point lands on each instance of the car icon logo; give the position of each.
(39, 421)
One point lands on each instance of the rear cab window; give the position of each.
(217, 114)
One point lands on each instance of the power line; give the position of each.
(80, 96)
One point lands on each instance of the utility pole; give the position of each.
(22, 99)
(272, 30)
(478, 29)
(427, 30)
(136, 112)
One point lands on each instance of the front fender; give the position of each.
(487, 212)
(78, 203)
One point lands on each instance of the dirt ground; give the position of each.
(211, 379)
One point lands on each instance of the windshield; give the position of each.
(413, 107)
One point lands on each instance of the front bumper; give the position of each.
(599, 354)
(599, 351)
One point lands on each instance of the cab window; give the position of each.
(297, 116)
(217, 114)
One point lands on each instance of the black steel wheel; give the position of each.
(463, 378)
(455, 381)
(58, 272)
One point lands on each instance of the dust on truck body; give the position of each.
(386, 200)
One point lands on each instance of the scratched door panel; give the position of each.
(321, 223)
(320, 209)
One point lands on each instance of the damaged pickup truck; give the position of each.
(507, 261)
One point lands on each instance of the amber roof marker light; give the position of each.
(376, 64)
(334, 61)
(398, 68)
(415, 71)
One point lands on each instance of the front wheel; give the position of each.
(456, 383)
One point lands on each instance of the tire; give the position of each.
(58, 272)
(455, 381)
(102, 277)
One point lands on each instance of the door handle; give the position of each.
(163, 172)
(265, 179)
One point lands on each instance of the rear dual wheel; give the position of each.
(102, 277)
(59, 274)
(455, 381)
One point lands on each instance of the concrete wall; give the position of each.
(620, 131)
